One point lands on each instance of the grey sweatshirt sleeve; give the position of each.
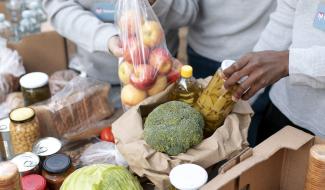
(307, 66)
(278, 33)
(174, 14)
(81, 26)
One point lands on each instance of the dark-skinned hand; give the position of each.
(261, 68)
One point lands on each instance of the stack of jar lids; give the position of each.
(316, 171)
(9, 176)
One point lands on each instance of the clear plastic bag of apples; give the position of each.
(147, 67)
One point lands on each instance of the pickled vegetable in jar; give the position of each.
(35, 88)
(24, 129)
(215, 103)
(187, 90)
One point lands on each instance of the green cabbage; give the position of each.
(101, 177)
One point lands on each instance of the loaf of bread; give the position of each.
(75, 108)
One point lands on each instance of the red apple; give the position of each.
(134, 52)
(132, 96)
(129, 21)
(160, 85)
(161, 60)
(152, 33)
(144, 77)
(173, 76)
(124, 72)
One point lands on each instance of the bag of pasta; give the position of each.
(146, 67)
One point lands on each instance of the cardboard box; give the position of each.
(279, 163)
(44, 52)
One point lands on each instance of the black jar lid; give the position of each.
(57, 163)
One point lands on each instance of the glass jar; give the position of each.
(9, 176)
(215, 103)
(24, 129)
(35, 88)
(55, 169)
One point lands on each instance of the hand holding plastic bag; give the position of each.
(147, 67)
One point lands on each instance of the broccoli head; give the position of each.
(173, 128)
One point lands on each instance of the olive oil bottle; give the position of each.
(187, 89)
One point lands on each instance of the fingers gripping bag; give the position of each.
(146, 67)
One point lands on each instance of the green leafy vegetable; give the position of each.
(101, 177)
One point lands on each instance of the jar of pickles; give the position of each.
(35, 87)
(215, 103)
(24, 129)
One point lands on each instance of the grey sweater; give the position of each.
(218, 29)
(299, 25)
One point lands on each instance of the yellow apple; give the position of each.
(152, 33)
(132, 96)
(159, 86)
(125, 71)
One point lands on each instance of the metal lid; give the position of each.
(47, 146)
(227, 63)
(34, 80)
(4, 125)
(33, 182)
(26, 161)
(22, 115)
(188, 177)
(57, 163)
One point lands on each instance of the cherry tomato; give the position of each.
(107, 135)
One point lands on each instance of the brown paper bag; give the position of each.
(156, 166)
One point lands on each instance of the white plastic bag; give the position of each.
(102, 153)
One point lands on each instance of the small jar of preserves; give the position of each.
(35, 87)
(24, 129)
(215, 103)
(55, 169)
(9, 176)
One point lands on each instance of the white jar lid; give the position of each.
(34, 80)
(227, 63)
(188, 177)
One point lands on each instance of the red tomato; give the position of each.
(107, 135)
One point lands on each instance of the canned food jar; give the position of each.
(27, 163)
(24, 129)
(215, 103)
(6, 150)
(33, 182)
(35, 87)
(55, 169)
(47, 147)
(9, 177)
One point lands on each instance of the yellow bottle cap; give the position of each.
(186, 71)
